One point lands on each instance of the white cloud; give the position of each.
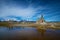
(24, 13)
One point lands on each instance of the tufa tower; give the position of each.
(41, 20)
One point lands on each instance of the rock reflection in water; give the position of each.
(27, 34)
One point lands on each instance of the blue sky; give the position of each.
(29, 10)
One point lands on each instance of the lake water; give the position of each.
(18, 33)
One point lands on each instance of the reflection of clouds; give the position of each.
(24, 32)
(18, 31)
(2, 29)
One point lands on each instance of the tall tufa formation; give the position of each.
(41, 20)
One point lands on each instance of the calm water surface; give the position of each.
(28, 33)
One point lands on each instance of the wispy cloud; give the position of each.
(29, 10)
